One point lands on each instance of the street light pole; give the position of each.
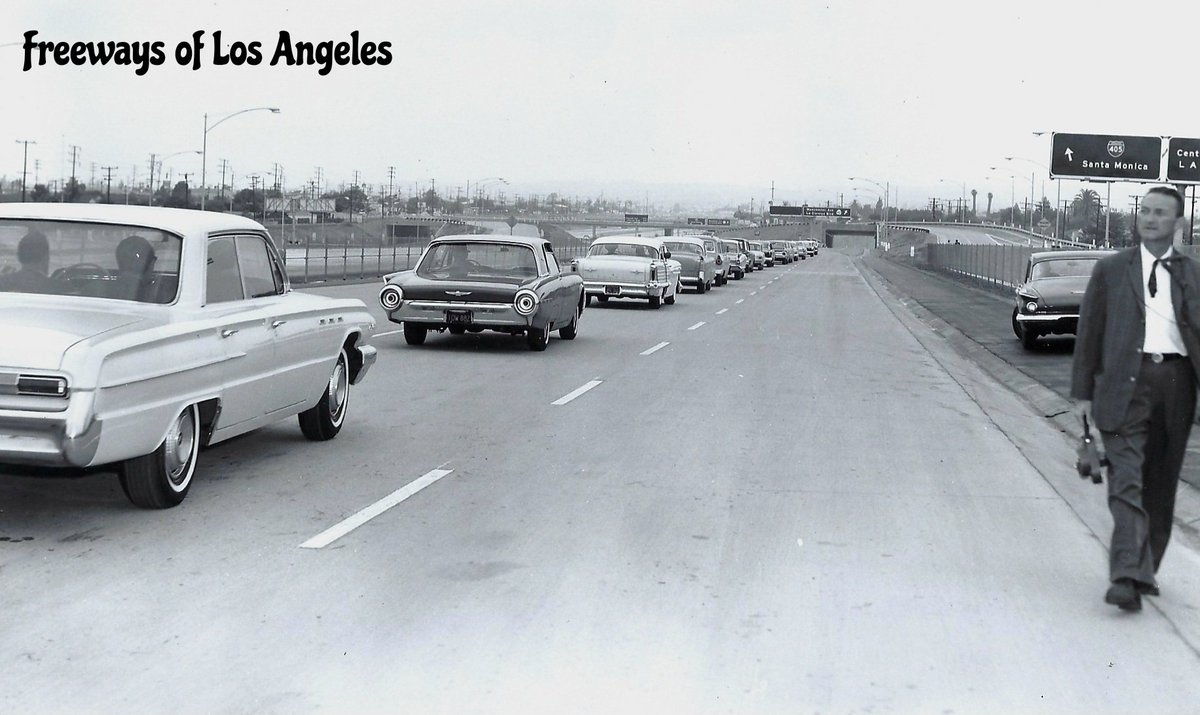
(25, 165)
(204, 145)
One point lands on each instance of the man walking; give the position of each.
(1137, 354)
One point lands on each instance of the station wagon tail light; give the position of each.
(391, 297)
(526, 302)
(42, 385)
(653, 273)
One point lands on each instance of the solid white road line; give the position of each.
(333, 533)
(655, 349)
(722, 310)
(576, 392)
(742, 300)
(697, 325)
(389, 332)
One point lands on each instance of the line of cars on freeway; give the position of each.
(136, 336)
(516, 285)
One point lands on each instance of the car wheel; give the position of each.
(415, 334)
(161, 479)
(655, 301)
(457, 329)
(602, 298)
(569, 332)
(1016, 324)
(1028, 338)
(669, 299)
(324, 420)
(701, 287)
(588, 301)
(537, 339)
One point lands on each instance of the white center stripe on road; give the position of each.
(742, 300)
(390, 332)
(655, 349)
(576, 392)
(764, 286)
(753, 292)
(333, 533)
(697, 325)
(722, 310)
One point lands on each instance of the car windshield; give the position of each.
(684, 247)
(478, 261)
(729, 247)
(710, 245)
(778, 244)
(89, 259)
(1063, 267)
(755, 246)
(623, 249)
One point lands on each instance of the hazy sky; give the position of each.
(628, 96)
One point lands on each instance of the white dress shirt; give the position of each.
(1162, 334)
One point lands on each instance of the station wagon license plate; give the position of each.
(612, 290)
(458, 317)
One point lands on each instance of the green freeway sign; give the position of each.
(1183, 161)
(1106, 156)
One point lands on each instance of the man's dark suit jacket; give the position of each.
(1112, 330)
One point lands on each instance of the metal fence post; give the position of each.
(307, 244)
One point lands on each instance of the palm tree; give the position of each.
(989, 211)
(1082, 207)
(974, 204)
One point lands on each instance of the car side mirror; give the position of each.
(666, 254)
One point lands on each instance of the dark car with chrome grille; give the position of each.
(1048, 300)
(474, 283)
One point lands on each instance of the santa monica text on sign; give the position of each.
(1106, 156)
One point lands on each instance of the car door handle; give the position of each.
(277, 323)
(228, 332)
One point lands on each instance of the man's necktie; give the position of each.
(1152, 285)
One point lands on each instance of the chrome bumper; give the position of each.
(627, 290)
(368, 354)
(1046, 318)
(427, 312)
(50, 439)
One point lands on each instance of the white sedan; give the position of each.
(133, 336)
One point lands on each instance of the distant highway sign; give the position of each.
(695, 221)
(717, 222)
(637, 218)
(1106, 156)
(1183, 161)
(837, 211)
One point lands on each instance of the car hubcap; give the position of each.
(339, 386)
(181, 439)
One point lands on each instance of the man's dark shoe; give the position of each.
(1147, 589)
(1124, 595)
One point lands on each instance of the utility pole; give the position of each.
(224, 166)
(150, 182)
(74, 157)
(25, 165)
(108, 181)
(392, 179)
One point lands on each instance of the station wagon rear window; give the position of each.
(1063, 267)
(624, 249)
(95, 260)
(684, 247)
(478, 261)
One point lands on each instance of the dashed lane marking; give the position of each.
(753, 292)
(722, 310)
(742, 300)
(697, 325)
(576, 392)
(655, 349)
(333, 533)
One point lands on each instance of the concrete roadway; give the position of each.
(802, 503)
(987, 235)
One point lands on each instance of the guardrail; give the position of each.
(1054, 242)
(323, 263)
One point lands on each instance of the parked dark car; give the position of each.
(1048, 301)
(473, 283)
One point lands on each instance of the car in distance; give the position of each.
(1049, 298)
(712, 246)
(761, 250)
(629, 267)
(471, 283)
(780, 252)
(698, 268)
(134, 336)
(734, 257)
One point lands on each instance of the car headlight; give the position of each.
(526, 302)
(1031, 306)
(390, 297)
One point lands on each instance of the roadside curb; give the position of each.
(1042, 400)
